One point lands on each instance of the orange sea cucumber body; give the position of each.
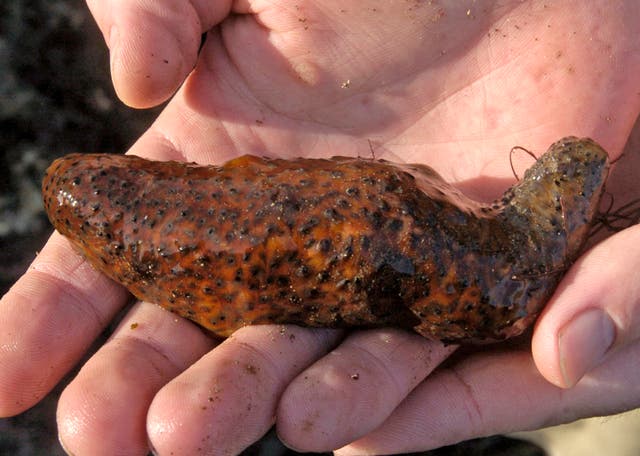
(341, 242)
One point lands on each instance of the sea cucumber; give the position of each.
(340, 242)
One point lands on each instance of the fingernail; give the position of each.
(582, 344)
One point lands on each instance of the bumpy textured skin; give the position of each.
(342, 242)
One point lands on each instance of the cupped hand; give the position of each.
(447, 84)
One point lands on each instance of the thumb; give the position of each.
(153, 45)
(594, 312)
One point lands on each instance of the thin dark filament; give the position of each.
(618, 220)
(514, 148)
(618, 158)
(372, 150)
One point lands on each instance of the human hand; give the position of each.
(583, 360)
(423, 83)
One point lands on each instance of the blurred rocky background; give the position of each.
(56, 98)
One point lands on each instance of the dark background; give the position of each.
(56, 98)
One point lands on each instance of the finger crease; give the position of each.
(469, 401)
(153, 348)
(80, 301)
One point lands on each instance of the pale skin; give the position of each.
(450, 84)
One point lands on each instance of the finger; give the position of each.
(350, 392)
(48, 319)
(153, 45)
(497, 393)
(227, 400)
(595, 311)
(104, 409)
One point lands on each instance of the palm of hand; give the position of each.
(452, 91)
